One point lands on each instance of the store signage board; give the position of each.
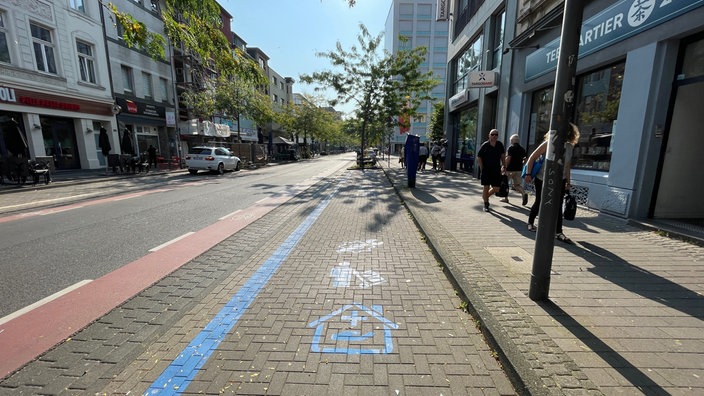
(622, 20)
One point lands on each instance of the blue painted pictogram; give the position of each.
(354, 329)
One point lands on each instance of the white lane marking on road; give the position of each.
(165, 244)
(230, 214)
(44, 301)
(46, 201)
(57, 210)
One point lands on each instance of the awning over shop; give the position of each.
(280, 140)
(204, 128)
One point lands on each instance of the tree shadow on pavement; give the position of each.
(635, 376)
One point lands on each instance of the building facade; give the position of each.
(640, 72)
(417, 21)
(143, 86)
(55, 92)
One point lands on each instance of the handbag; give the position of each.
(536, 168)
(503, 187)
(569, 207)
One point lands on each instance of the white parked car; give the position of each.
(213, 159)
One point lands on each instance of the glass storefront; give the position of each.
(598, 97)
(466, 138)
(60, 142)
(539, 117)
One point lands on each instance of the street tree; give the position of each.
(192, 25)
(310, 119)
(437, 122)
(231, 97)
(385, 88)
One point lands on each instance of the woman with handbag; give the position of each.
(572, 139)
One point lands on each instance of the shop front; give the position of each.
(639, 83)
(145, 124)
(57, 129)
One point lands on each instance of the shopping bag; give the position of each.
(536, 168)
(569, 207)
(503, 187)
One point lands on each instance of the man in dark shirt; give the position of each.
(515, 154)
(490, 159)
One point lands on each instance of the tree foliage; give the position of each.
(232, 98)
(311, 121)
(437, 122)
(192, 25)
(384, 87)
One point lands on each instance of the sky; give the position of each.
(291, 32)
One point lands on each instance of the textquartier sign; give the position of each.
(622, 20)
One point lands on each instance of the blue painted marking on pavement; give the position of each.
(355, 314)
(182, 371)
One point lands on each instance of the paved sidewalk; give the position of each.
(625, 313)
(626, 305)
(332, 292)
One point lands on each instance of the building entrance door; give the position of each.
(681, 179)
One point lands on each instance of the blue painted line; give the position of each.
(181, 372)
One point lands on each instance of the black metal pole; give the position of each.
(562, 110)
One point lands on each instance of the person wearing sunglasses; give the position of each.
(490, 158)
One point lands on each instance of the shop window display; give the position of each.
(598, 97)
(467, 139)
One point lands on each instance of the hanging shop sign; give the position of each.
(142, 109)
(622, 20)
(443, 10)
(482, 79)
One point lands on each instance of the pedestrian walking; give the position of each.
(402, 158)
(151, 153)
(490, 158)
(443, 154)
(515, 157)
(422, 156)
(572, 138)
(435, 155)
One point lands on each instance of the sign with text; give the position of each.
(482, 79)
(622, 20)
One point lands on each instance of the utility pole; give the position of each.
(562, 109)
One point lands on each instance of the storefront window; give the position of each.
(598, 97)
(467, 138)
(540, 117)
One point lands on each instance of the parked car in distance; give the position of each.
(213, 159)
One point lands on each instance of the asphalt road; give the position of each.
(85, 231)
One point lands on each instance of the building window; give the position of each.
(499, 32)
(77, 5)
(147, 85)
(598, 98)
(541, 109)
(127, 79)
(164, 88)
(43, 49)
(469, 61)
(4, 49)
(465, 11)
(86, 62)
